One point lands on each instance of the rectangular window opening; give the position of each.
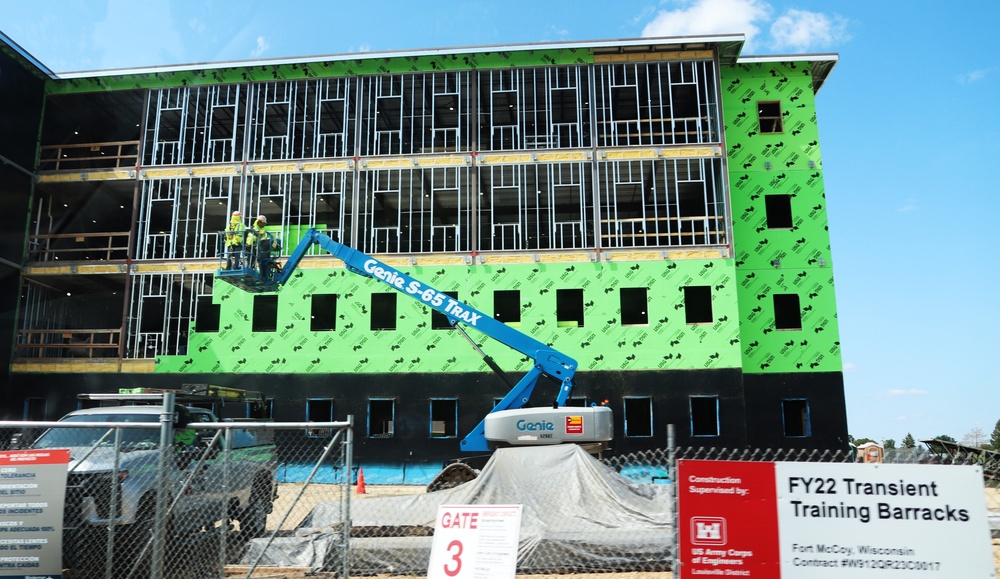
(323, 317)
(704, 416)
(787, 313)
(263, 409)
(444, 418)
(633, 304)
(795, 417)
(439, 321)
(381, 417)
(383, 312)
(319, 410)
(265, 313)
(698, 304)
(507, 306)
(207, 318)
(769, 117)
(778, 210)
(639, 417)
(569, 308)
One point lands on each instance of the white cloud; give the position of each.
(849, 367)
(261, 48)
(795, 30)
(697, 17)
(910, 205)
(893, 393)
(975, 75)
(801, 30)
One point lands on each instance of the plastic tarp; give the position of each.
(577, 513)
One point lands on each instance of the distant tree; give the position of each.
(889, 443)
(945, 438)
(995, 437)
(908, 441)
(975, 437)
(860, 441)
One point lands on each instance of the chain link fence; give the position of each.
(229, 489)
(254, 499)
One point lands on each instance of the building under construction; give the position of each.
(653, 208)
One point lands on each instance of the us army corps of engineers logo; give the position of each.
(708, 531)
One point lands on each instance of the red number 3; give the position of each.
(456, 547)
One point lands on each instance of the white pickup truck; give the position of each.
(241, 485)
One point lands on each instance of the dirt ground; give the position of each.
(316, 493)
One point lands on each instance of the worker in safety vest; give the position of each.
(234, 241)
(254, 237)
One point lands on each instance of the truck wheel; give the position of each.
(253, 519)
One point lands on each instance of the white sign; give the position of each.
(32, 497)
(475, 542)
(864, 520)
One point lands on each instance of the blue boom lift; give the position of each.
(509, 423)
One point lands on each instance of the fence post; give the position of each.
(162, 485)
(348, 469)
(672, 469)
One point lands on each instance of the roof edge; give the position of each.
(588, 44)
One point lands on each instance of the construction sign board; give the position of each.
(32, 494)
(475, 542)
(798, 520)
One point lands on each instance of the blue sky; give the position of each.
(907, 122)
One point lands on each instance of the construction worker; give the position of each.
(254, 237)
(234, 241)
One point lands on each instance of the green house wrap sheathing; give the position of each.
(602, 342)
(336, 66)
(788, 260)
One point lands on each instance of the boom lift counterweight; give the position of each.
(509, 422)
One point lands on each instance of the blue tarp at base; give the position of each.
(375, 473)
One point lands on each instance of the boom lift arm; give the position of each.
(546, 360)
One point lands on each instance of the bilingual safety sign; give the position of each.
(791, 520)
(32, 493)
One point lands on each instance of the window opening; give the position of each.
(207, 318)
(778, 209)
(444, 418)
(507, 306)
(795, 417)
(633, 306)
(265, 313)
(439, 321)
(638, 417)
(569, 308)
(698, 304)
(268, 409)
(704, 416)
(319, 410)
(769, 117)
(381, 417)
(323, 317)
(787, 313)
(383, 312)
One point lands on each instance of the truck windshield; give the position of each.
(131, 437)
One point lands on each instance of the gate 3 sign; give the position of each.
(793, 520)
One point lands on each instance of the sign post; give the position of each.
(32, 494)
(475, 542)
(797, 520)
